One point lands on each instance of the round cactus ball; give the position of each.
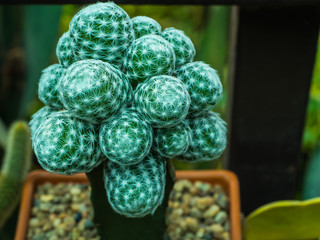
(149, 56)
(163, 100)
(203, 84)
(136, 190)
(36, 119)
(65, 50)
(126, 139)
(66, 145)
(143, 25)
(48, 86)
(182, 45)
(208, 138)
(174, 141)
(93, 90)
(102, 31)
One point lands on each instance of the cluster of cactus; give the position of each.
(126, 92)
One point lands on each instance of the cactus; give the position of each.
(101, 31)
(15, 166)
(208, 134)
(143, 25)
(174, 141)
(163, 100)
(203, 84)
(48, 86)
(182, 45)
(38, 118)
(64, 50)
(126, 139)
(94, 90)
(66, 145)
(148, 56)
(136, 190)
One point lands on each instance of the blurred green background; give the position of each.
(27, 45)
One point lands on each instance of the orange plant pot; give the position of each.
(226, 179)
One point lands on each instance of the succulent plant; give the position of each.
(94, 90)
(16, 164)
(64, 50)
(36, 119)
(48, 86)
(174, 141)
(182, 45)
(149, 56)
(126, 139)
(66, 145)
(138, 189)
(163, 101)
(203, 84)
(143, 25)
(101, 31)
(208, 138)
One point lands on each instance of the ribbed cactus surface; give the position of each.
(101, 31)
(203, 84)
(66, 145)
(174, 141)
(143, 25)
(48, 86)
(39, 117)
(182, 45)
(65, 50)
(126, 139)
(138, 189)
(94, 90)
(163, 100)
(208, 137)
(149, 56)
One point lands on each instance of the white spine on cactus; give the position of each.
(66, 145)
(48, 86)
(143, 25)
(163, 100)
(94, 90)
(127, 138)
(203, 84)
(101, 31)
(208, 138)
(65, 50)
(136, 190)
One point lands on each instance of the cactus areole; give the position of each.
(124, 98)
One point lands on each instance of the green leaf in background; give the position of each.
(284, 220)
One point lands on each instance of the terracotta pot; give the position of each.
(226, 179)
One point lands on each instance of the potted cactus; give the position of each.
(124, 99)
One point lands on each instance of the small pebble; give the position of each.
(212, 211)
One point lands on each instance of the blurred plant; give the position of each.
(311, 136)
(15, 167)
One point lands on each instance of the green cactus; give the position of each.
(66, 145)
(163, 100)
(143, 25)
(174, 141)
(64, 50)
(203, 84)
(36, 119)
(149, 56)
(208, 138)
(101, 31)
(126, 139)
(15, 166)
(94, 90)
(48, 86)
(136, 190)
(182, 45)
